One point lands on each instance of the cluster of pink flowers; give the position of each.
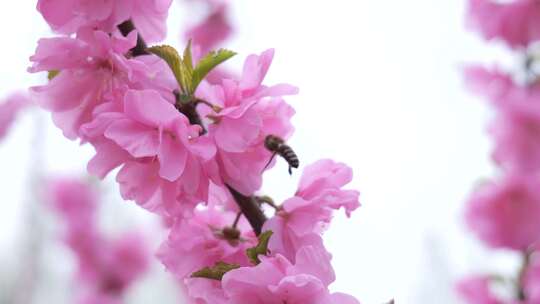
(107, 267)
(193, 151)
(505, 213)
(515, 22)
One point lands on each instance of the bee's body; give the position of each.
(279, 147)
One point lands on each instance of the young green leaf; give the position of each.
(261, 248)
(172, 58)
(188, 58)
(215, 272)
(207, 64)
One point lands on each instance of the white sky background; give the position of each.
(380, 89)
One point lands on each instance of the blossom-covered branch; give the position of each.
(193, 151)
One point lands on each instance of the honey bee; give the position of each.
(279, 147)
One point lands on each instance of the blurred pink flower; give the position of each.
(75, 201)
(506, 213)
(475, 290)
(9, 109)
(516, 22)
(106, 267)
(212, 31)
(516, 128)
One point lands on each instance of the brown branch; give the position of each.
(127, 27)
(527, 255)
(250, 209)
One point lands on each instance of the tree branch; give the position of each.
(522, 272)
(250, 209)
(127, 27)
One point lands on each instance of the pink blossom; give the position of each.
(516, 22)
(9, 109)
(277, 280)
(305, 216)
(475, 290)
(160, 143)
(140, 181)
(201, 241)
(506, 213)
(91, 66)
(246, 118)
(516, 128)
(204, 291)
(212, 31)
(69, 16)
(148, 125)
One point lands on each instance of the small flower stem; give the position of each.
(236, 220)
(214, 107)
(267, 200)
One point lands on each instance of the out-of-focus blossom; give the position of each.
(516, 128)
(516, 22)
(106, 266)
(212, 30)
(9, 109)
(75, 201)
(506, 213)
(476, 290)
(69, 16)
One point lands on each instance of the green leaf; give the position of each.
(207, 64)
(188, 58)
(261, 248)
(52, 73)
(172, 58)
(215, 272)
